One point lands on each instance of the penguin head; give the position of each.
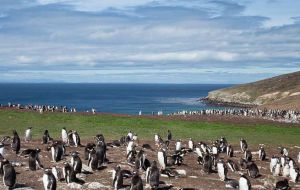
(74, 154)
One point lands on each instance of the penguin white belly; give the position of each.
(45, 181)
(214, 150)
(191, 146)
(129, 147)
(277, 170)
(198, 151)
(273, 164)
(161, 160)
(28, 135)
(53, 153)
(221, 171)
(286, 171)
(54, 171)
(299, 158)
(178, 146)
(243, 184)
(2, 151)
(74, 139)
(64, 136)
(293, 174)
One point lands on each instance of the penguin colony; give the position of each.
(145, 173)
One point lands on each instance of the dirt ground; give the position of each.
(195, 177)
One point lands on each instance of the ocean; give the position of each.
(112, 98)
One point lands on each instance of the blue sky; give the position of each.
(146, 41)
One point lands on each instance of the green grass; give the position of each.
(113, 127)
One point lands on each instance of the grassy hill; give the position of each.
(113, 127)
(278, 92)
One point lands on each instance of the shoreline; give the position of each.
(214, 102)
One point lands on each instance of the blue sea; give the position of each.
(111, 98)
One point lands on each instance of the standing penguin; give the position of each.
(140, 160)
(243, 145)
(169, 136)
(49, 180)
(191, 145)
(76, 138)
(136, 183)
(273, 162)
(162, 158)
(46, 137)
(229, 151)
(64, 135)
(57, 151)
(117, 178)
(262, 153)
(9, 176)
(178, 146)
(28, 134)
(88, 148)
(207, 163)
(152, 175)
(16, 143)
(100, 153)
(222, 170)
(93, 162)
(244, 183)
(253, 171)
(34, 160)
(69, 174)
(2, 150)
(76, 162)
(248, 155)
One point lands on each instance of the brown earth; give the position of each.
(195, 178)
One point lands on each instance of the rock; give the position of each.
(96, 185)
(81, 176)
(181, 173)
(75, 186)
(86, 168)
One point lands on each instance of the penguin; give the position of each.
(198, 150)
(223, 145)
(178, 146)
(169, 136)
(100, 153)
(284, 152)
(176, 159)
(57, 151)
(69, 174)
(129, 136)
(93, 162)
(276, 169)
(64, 135)
(273, 162)
(244, 183)
(231, 183)
(286, 170)
(253, 171)
(57, 173)
(49, 180)
(99, 137)
(88, 148)
(207, 163)
(152, 175)
(16, 143)
(229, 151)
(28, 134)
(243, 145)
(294, 174)
(130, 147)
(136, 182)
(248, 155)
(76, 162)
(117, 177)
(46, 137)
(232, 166)
(191, 145)
(214, 150)
(135, 137)
(9, 175)
(76, 138)
(34, 160)
(140, 159)
(2, 150)
(243, 164)
(222, 170)
(261, 154)
(282, 185)
(162, 158)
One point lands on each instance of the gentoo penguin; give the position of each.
(232, 166)
(282, 185)
(9, 176)
(229, 151)
(244, 183)
(34, 160)
(64, 135)
(253, 171)
(284, 152)
(69, 174)
(169, 136)
(76, 162)
(28, 134)
(46, 137)
(152, 175)
(207, 163)
(117, 177)
(243, 145)
(261, 153)
(191, 145)
(162, 158)
(2, 149)
(248, 155)
(93, 162)
(49, 180)
(136, 182)
(178, 146)
(243, 163)
(76, 138)
(140, 159)
(57, 151)
(16, 143)
(222, 170)
(88, 148)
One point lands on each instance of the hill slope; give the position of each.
(282, 92)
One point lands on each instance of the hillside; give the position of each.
(282, 92)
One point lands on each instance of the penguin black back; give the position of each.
(34, 160)
(136, 183)
(16, 143)
(9, 176)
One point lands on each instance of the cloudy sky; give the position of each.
(146, 41)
